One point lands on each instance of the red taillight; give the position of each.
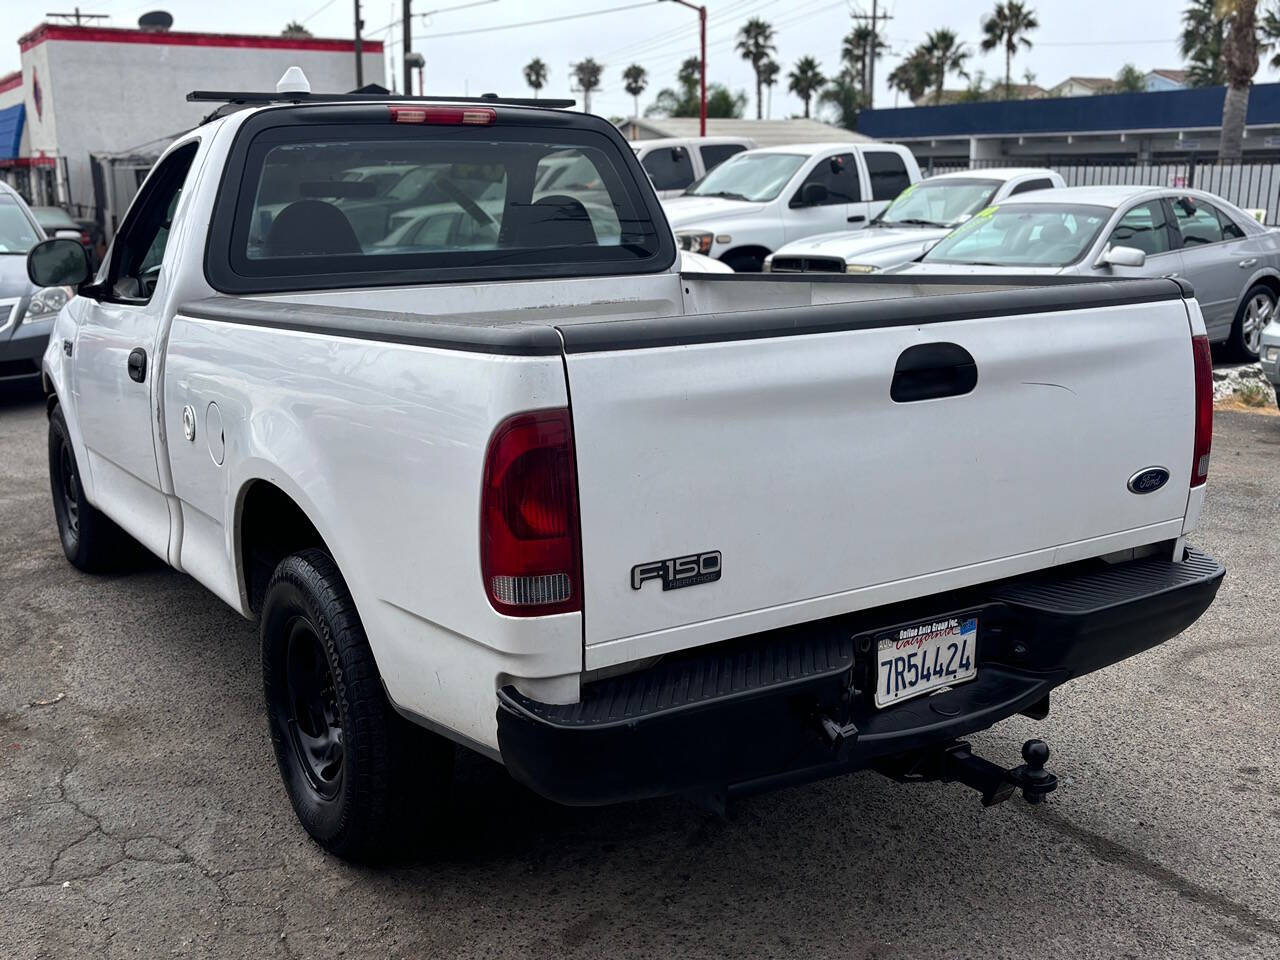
(1204, 409)
(446, 116)
(529, 542)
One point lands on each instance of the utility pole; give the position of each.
(359, 49)
(407, 23)
(702, 34)
(875, 17)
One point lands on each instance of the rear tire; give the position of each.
(89, 539)
(744, 261)
(1255, 311)
(363, 781)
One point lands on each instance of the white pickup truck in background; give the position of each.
(674, 164)
(509, 479)
(759, 200)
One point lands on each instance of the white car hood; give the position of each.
(689, 211)
(874, 245)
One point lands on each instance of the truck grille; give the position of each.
(807, 265)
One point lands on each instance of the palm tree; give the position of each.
(1204, 30)
(755, 43)
(769, 71)
(857, 53)
(806, 79)
(844, 94)
(295, 30)
(587, 72)
(634, 80)
(1008, 26)
(535, 75)
(946, 54)
(914, 75)
(1239, 63)
(1269, 28)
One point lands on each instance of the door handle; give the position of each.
(928, 371)
(857, 218)
(1248, 262)
(138, 364)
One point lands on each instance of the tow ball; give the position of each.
(957, 763)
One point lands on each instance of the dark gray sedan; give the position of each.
(26, 311)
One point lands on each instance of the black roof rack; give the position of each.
(227, 96)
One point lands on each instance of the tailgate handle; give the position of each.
(928, 371)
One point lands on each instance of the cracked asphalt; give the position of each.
(141, 814)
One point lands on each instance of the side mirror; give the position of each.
(60, 262)
(677, 154)
(813, 194)
(1122, 257)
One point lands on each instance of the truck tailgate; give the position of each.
(772, 438)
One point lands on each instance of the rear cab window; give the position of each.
(1042, 183)
(341, 196)
(714, 154)
(888, 174)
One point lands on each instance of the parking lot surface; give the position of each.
(141, 814)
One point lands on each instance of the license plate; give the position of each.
(921, 657)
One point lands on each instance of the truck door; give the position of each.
(114, 361)
(837, 206)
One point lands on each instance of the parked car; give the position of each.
(922, 214)
(1231, 260)
(675, 163)
(628, 532)
(759, 200)
(26, 310)
(1271, 352)
(56, 222)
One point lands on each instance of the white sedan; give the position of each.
(922, 214)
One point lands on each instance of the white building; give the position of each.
(114, 94)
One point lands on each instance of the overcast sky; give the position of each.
(1080, 37)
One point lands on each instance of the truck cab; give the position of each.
(759, 200)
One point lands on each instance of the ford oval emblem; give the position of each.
(1149, 480)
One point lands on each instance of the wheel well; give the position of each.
(1270, 282)
(50, 395)
(272, 527)
(749, 251)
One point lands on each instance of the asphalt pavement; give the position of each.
(141, 814)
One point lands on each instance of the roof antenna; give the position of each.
(293, 81)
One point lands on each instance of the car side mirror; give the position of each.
(813, 194)
(1122, 257)
(60, 262)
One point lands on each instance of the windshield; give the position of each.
(938, 203)
(17, 233)
(749, 176)
(1022, 235)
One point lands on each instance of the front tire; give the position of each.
(1252, 316)
(89, 539)
(744, 261)
(362, 780)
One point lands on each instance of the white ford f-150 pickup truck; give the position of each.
(488, 469)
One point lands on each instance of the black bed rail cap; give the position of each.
(262, 97)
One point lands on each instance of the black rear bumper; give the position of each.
(750, 713)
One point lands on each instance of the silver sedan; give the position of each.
(1231, 260)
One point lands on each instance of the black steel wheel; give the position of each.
(362, 780)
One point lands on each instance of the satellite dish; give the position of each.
(156, 21)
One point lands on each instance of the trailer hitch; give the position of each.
(957, 763)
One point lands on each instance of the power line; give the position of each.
(531, 23)
(316, 13)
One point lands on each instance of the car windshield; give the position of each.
(1022, 235)
(17, 233)
(749, 176)
(938, 203)
(54, 218)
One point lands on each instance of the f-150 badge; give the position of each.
(686, 571)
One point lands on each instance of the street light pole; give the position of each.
(702, 32)
(359, 49)
(406, 23)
